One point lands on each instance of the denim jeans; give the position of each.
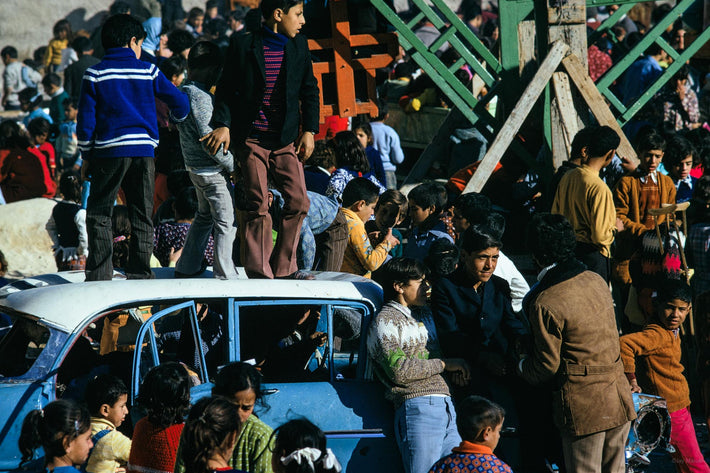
(320, 216)
(135, 176)
(214, 211)
(425, 430)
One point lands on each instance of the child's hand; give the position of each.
(461, 373)
(174, 255)
(305, 145)
(635, 388)
(216, 138)
(391, 239)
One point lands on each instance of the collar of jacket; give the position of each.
(564, 270)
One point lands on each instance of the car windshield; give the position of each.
(22, 340)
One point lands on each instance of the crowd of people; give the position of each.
(190, 140)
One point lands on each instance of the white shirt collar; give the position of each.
(653, 177)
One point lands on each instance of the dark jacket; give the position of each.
(468, 323)
(240, 90)
(75, 72)
(576, 347)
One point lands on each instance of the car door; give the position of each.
(328, 385)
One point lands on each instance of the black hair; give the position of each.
(649, 138)
(348, 152)
(31, 96)
(119, 29)
(496, 225)
(296, 434)
(364, 125)
(677, 149)
(653, 49)
(269, 6)
(580, 140)
(165, 394)
(478, 238)
(51, 426)
(382, 109)
(210, 4)
(602, 140)
(180, 40)
(474, 207)
(550, 238)
(72, 102)
(9, 51)
(398, 271)
(428, 194)
(323, 155)
(700, 139)
(121, 230)
(358, 189)
(103, 389)
(70, 186)
(702, 189)
(474, 414)
(173, 65)
(443, 257)
(210, 422)
(405, 70)
(12, 136)
(672, 289)
(217, 27)
(195, 12)
(51, 79)
(239, 13)
(119, 7)
(38, 126)
(682, 73)
(238, 376)
(81, 45)
(204, 62)
(62, 25)
(186, 203)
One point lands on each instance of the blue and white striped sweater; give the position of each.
(117, 116)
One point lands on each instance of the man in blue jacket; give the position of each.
(117, 130)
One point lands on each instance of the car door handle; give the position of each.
(355, 433)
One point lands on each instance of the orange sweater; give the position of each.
(660, 349)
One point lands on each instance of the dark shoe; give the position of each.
(300, 275)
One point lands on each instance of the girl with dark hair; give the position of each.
(351, 160)
(363, 132)
(680, 104)
(404, 345)
(63, 430)
(165, 396)
(22, 175)
(31, 101)
(240, 384)
(210, 435)
(67, 225)
(300, 447)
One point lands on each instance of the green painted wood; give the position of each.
(611, 21)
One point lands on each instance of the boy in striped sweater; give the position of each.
(117, 132)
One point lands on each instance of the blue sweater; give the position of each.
(117, 116)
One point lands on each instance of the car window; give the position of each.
(22, 342)
(294, 342)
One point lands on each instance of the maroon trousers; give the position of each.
(262, 165)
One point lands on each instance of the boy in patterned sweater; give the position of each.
(479, 421)
(404, 347)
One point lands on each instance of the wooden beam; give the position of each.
(599, 108)
(565, 103)
(517, 117)
(560, 145)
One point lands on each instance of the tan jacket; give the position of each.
(572, 321)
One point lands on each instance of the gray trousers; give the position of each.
(602, 452)
(215, 210)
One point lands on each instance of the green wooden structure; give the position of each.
(528, 29)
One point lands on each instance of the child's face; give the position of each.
(197, 22)
(178, 79)
(70, 113)
(491, 436)
(480, 265)
(682, 170)
(418, 214)
(289, 23)
(364, 210)
(24, 106)
(460, 222)
(414, 292)
(650, 159)
(362, 137)
(244, 400)
(77, 450)
(384, 216)
(51, 88)
(117, 413)
(40, 139)
(673, 313)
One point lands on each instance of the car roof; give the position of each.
(63, 300)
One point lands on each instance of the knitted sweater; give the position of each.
(111, 451)
(661, 351)
(117, 116)
(153, 448)
(471, 457)
(197, 125)
(360, 258)
(397, 342)
(251, 453)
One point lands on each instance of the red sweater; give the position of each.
(153, 447)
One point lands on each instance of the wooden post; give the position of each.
(517, 117)
(568, 114)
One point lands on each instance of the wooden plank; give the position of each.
(560, 146)
(517, 117)
(526, 50)
(568, 14)
(565, 103)
(599, 108)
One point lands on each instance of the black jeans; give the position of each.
(595, 261)
(136, 177)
